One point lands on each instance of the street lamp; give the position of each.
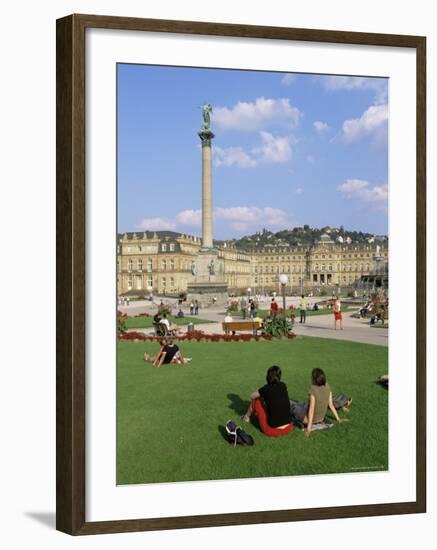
(283, 279)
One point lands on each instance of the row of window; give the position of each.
(297, 280)
(301, 269)
(164, 248)
(149, 282)
(149, 265)
(317, 257)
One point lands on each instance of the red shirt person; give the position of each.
(273, 308)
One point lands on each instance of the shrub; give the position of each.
(165, 309)
(277, 327)
(133, 336)
(121, 322)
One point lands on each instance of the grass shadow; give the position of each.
(237, 404)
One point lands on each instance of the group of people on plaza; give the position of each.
(248, 307)
(277, 414)
(194, 307)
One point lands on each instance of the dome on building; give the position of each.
(325, 239)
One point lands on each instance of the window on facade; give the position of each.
(140, 264)
(164, 248)
(323, 267)
(129, 265)
(149, 265)
(149, 281)
(316, 267)
(129, 282)
(171, 247)
(164, 265)
(172, 282)
(164, 282)
(172, 264)
(330, 267)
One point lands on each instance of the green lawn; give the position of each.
(310, 313)
(170, 420)
(147, 322)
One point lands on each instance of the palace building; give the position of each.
(160, 262)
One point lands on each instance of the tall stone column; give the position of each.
(206, 195)
(206, 137)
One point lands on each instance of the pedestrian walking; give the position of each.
(303, 309)
(336, 308)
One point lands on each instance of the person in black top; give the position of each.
(271, 405)
(168, 353)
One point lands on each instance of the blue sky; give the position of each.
(289, 150)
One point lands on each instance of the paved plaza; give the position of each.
(322, 326)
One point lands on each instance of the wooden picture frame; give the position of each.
(71, 254)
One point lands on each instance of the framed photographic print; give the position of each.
(240, 274)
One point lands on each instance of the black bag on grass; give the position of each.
(237, 436)
(340, 400)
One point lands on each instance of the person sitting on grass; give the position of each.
(271, 405)
(314, 410)
(155, 358)
(169, 353)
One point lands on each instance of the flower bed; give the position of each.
(200, 336)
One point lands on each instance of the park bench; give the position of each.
(234, 326)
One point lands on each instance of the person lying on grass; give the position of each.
(271, 405)
(168, 353)
(314, 410)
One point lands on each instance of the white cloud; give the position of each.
(373, 121)
(241, 218)
(288, 79)
(273, 216)
(258, 115)
(298, 190)
(378, 85)
(320, 126)
(271, 150)
(189, 217)
(233, 156)
(362, 190)
(157, 224)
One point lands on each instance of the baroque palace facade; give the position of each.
(161, 262)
